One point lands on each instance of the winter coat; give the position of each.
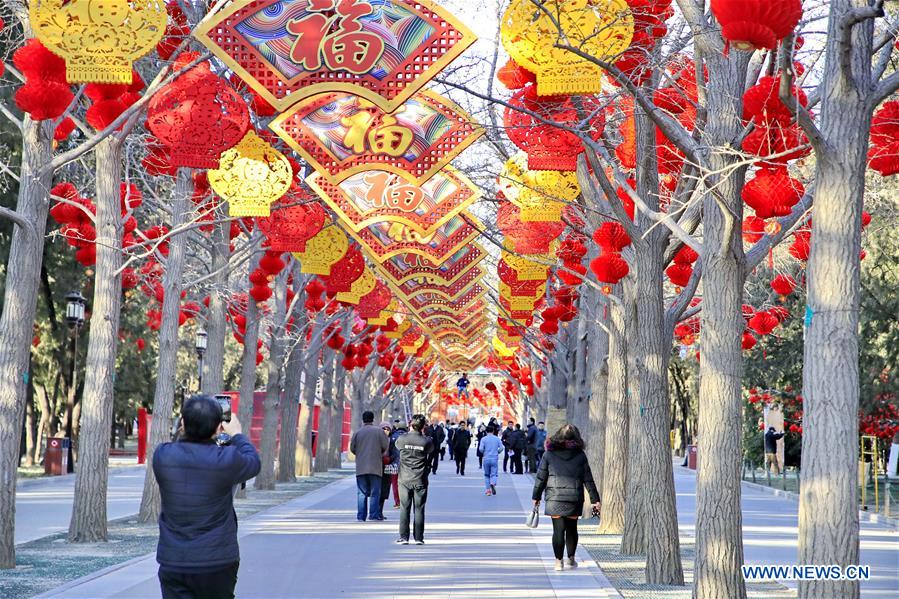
(369, 444)
(518, 441)
(505, 437)
(541, 440)
(563, 475)
(415, 458)
(531, 435)
(438, 435)
(392, 451)
(461, 441)
(197, 524)
(771, 439)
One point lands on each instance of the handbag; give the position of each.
(533, 518)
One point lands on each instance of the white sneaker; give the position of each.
(558, 565)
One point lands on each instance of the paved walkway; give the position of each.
(771, 529)
(313, 547)
(44, 505)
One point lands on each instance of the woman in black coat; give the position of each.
(564, 473)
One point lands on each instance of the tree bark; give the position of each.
(828, 497)
(290, 406)
(265, 480)
(304, 428)
(323, 436)
(633, 535)
(595, 362)
(216, 325)
(719, 529)
(616, 456)
(19, 307)
(248, 366)
(88, 524)
(337, 418)
(167, 361)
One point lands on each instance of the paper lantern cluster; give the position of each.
(756, 24)
(610, 267)
(45, 94)
(883, 155)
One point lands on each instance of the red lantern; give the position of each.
(198, 116)
(776, 144)
(753, 228)
(883, 156)
(763, 323)
(609, 267)
(371, 304)
(679, 274)
(783, 285)
(514, 76)
(772, 192)
(756, 24)
(748, 343)
(763, 106)
(611, 236)
(802, 245)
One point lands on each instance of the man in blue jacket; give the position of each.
(198, 553)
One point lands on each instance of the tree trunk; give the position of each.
(616, 464)
(19, 306)
(323, 436)
(719, 529)
(304, 428)
(216, 325)
(88, 523)
(828, 497)
(595, 362)
(633, 535)
(293, 384)
(167, 364)
(265, 480)
(337, 418)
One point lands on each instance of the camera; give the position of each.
(225, 402)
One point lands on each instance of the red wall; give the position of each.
(255, 431)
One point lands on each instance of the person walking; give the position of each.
(563, 475)
(505, 438)
(198, 552)
(771, 439)
(415, 465)
(518, 443)
(391, 469)
(541, 442)
(450, 435)
(369, 444)
(482, 432)
(399, 430)
(531, 446)
(438, 435)
(461, 443)
(446, 429)
(491, 447)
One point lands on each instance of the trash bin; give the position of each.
(691, 457)
(56, 456)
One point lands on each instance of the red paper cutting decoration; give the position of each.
(763, 323)
(292, 223)
(550, 146)
(756, 24)
(527, 237)
(371, 304)
(345, 272)
(198, 116)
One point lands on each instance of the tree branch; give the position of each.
(15, 217)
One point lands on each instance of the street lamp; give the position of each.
(200, 345)
(75, 318)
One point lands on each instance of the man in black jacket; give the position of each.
(771, 439)
(415, 465)
(531, 448)
(198, 553)
(507, 432)
(437, 436)
(461, 443)
(518, 444)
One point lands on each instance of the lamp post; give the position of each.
(75, 319)
(200, 345)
